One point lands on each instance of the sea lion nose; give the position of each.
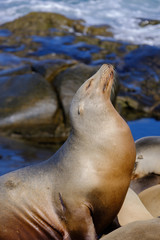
(107, 76)
(106, 71)
(109, 66)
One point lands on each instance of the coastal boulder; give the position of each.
(29, 106)
(50, 68)
(140, 83)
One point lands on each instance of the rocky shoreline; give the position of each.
(45, 57)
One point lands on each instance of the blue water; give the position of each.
(16, 154)
(4, 33)
(144, 127)
(122, 15)
(80, 51)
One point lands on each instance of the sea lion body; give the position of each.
(147, 156)
(139, 230)
(151, 199)
(132, 209)
(80, 189)
(140, 184)
(147, 166)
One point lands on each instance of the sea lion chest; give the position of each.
(27, 207)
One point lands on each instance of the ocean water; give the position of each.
(144, 127)
(122, 15)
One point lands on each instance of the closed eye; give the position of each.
(89, 84)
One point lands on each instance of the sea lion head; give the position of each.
(92, 100)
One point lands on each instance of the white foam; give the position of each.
(120, 14)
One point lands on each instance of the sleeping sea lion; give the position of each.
(150, 197)
(139, 230)
(147, 166)
(132, 209)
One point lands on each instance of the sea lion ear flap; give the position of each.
(80, 108)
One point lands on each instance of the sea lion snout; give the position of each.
(106, 70)
(106, 78)
(107, 81)
(102, 80)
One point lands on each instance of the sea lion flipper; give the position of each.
(80, 225)
(132, 209)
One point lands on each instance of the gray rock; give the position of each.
(15, 71)
(51, 67)
(143, 22)
(26, 99)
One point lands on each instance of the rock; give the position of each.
(65, 45)
(156, 110)
(38, 23)
(98, 30)
(129, 108)
(39, 26)
(47, 24)
(33, 109)
(49, 34)
(50, 68)
(143, 22)
(140, 81)
(23, 99)
(9, 60)
(16, 71)
(29, 108)
(49, 46)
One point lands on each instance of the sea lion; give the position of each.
(147, 166)
(139, 230)
(151, 199)
(80, 189)
(132, 209)
(147, 156)
(140, 184)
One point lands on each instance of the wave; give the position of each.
(122, 15)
